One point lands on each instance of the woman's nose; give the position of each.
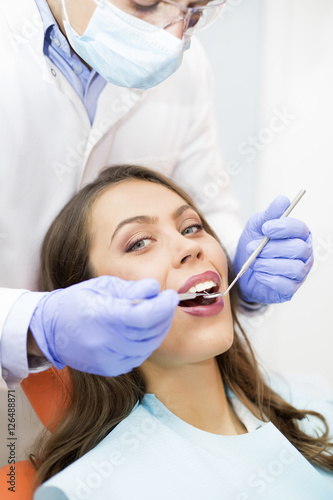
(186, 251)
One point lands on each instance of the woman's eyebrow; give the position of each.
(148, 219)
(141, 219)
(178, 212)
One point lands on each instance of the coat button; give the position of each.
(77, 69)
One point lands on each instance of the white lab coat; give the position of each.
(49, 148)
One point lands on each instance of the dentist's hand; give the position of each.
(93, 327)
(283, 264)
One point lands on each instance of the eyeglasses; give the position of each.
(166, 13)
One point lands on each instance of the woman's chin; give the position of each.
(196, 349)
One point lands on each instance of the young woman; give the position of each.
(196, 420)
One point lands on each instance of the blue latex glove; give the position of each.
(93, 327)
(283, 264)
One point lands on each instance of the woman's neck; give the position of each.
(195, 393)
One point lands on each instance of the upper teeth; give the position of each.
(200, 287)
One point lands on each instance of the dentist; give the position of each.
(90, 83)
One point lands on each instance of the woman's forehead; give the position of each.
(132, 196)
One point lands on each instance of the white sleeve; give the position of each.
(200, 169)
(17, 307)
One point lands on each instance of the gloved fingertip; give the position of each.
(151, 283)
(250, 247)
(276, 208)
(172, 296)
(268, 228)
(281, 201)
(145, 288)
(274, 228)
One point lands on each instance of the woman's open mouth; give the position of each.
(206, 287)
(207, 282)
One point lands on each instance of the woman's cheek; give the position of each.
(138, 270)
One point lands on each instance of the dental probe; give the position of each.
(248, 262)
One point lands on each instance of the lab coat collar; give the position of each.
(27, 32)
(122, 99)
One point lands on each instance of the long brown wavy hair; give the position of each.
(98, 404)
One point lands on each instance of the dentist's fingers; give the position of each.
(284, 287)
(293, 269)
(152, 312)
(286, 228)
(274, 210)
(286, 249)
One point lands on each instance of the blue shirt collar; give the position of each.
(46, 15)
(51, 28)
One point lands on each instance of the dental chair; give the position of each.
(48, 393)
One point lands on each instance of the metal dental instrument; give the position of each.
(246, 265)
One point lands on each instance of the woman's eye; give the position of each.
(195, 228)
(139, 244)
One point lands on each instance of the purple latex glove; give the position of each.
(93, 327)
(282, 266)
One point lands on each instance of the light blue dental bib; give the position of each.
(152, 454)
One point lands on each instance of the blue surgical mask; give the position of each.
(124, 49)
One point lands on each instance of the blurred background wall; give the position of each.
(274, 58)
